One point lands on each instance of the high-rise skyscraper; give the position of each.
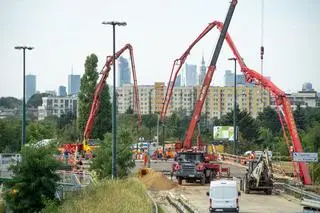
(229, 79)
(178, 81)
(191, 74)
(62, 91)
(307, 87)
(124, 72)
(203, 70)
(73, 84)
(30, 86)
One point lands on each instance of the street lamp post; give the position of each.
(24, 48)
(114, 102)
(235, 104)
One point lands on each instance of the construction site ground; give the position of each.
(159, 185)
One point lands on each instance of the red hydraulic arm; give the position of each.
(102, 82)
(281, 101)
(177, 64)
(187, 143)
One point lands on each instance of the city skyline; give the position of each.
(164, 39)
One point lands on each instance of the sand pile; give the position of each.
(157, 181)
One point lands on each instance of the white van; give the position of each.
(223, 196)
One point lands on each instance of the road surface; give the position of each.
(249, 203)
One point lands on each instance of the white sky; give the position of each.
(65, 32)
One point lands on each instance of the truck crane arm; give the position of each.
(100, 86)
(187, 143)
(176, 67)
(281, 100)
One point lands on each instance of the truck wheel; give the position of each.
(179, 180)
(246, 186)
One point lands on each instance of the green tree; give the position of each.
(65, 119)
(104, 116)
(102, 163)
(87, 89)
(269, 119)
(69, 133)
(36, 99)
(10, 135)
(10, 102)
(86, 94)
(150, 121)
(34, 180)
(266, 138)
(129, 110)
(247, 125)
(39, 130)
(300, 118)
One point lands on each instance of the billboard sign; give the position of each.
(223, 133)
(305, 156)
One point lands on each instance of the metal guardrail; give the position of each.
(301, 191)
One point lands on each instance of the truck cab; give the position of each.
(189, 166)
(223, 196)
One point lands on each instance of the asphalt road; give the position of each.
(249, 203)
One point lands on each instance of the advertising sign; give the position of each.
(223, 133)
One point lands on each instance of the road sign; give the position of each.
(305, 156)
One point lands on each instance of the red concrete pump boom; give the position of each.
(251, 76)
(282, 102)
(176, 67)
(187, 143)
(102, 82)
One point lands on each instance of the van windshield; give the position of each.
(223, 192)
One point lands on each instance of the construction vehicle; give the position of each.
(283, 105)
(194, 163)
(259, 175)
(99, 88)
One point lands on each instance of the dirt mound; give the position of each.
(157, 181)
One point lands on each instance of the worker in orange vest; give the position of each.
(145, 158)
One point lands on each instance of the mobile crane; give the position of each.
(282, 102)
(194, 164)
(102, 83)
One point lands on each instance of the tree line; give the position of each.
(28, 192)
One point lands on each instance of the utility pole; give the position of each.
(23, 139)
(114, 99)
(234, 105)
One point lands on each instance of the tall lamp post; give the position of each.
(24, 48)
(114, 102)
(235, 104)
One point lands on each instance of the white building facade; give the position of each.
(57, 106)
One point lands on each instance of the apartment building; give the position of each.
(57, 106)
(220, 100)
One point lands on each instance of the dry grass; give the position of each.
(114, 196)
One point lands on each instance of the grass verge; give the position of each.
(114, 196)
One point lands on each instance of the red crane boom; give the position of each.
(251, 76)
(282, 101)
(102, 82)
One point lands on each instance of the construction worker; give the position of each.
(145, 159)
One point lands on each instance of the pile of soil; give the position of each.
(157, 181)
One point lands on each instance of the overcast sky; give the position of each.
(65, 32)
